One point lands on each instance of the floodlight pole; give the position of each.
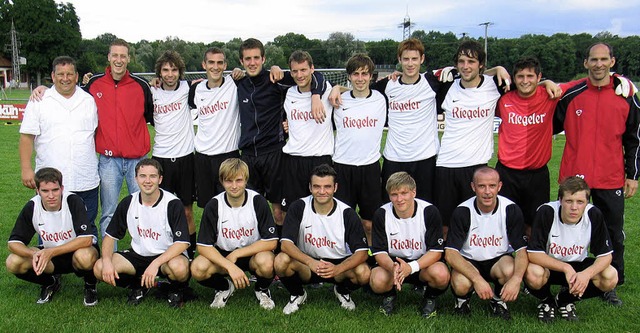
(486, 28)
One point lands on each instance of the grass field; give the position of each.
(20, 313)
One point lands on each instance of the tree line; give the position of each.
(48, 29)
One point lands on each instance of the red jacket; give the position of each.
(124, 108)
(602, 132)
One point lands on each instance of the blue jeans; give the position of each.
(113, 170)
(90, 198)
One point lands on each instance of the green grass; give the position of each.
(321, 313)
(14, 96)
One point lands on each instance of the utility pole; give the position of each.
(486, 28)
(15, 56)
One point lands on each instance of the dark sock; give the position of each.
(591, 291)
(497, 289)
(128, 281)
(209, 283)
(565, 297)
(192, 245)
(262, 283)
(433, 292)
(177, 285)
(542, 293)
(219, 282)
(89, 278)
(293, 284)
(346, 287)
(392, 292)
(42, 279)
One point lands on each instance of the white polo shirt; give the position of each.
(64, 136)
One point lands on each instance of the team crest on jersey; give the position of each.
(99, 95)
(178, 233)
(579, 112)
(83, 227)
(619, 192)
(272, 230)
(440, 241)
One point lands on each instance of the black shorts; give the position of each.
(423, 172)
(360, 186)
(317, 279)
(611, 203)
(264, 174)
(559, 279)
(63, 264)
(242, 263)
(296, 171)
(207, 180)
(140, 263)
(412, 278)
(527, 188)
(452, 187)
(484, 267)
(177, 177)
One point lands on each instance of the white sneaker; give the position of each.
(345, 300)
(264, 297)
(294, 303)
(222, 296)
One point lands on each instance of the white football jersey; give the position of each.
(218, 117)
(468, 132)
(359, 126)
(306, 137)
(413, 121)
(172, 122)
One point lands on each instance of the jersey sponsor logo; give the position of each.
(477, 240)
(406, 244)
(148, 233)
(345, 109)
(301, 115)
(237, 233)
(359, 123)
(213, 108)
(404, 106)
(319, 242)
(471, 113)
(564, 251)
(307, 226)
(455, 100)
(246, 100)
(56, 236)
(161, 109)
(225, 221)
(40, 224)
(555, 235)
(393, 234)
(507, 105)
(294, 102)
(532, 119)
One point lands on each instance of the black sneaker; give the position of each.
(90, 295)
(612, 298)
(46, 292)
(136, 295)
(499, 309)
(546, 312)
(388, 303)
(175, 299)
(568, 312)
(429, 307)
(463, 309)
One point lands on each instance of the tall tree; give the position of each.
(340, 46)
(46, 30)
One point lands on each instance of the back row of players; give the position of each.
(468, 103)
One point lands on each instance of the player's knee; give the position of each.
(178, 269)
(199, 267)
(264, 264)
(460, 284)
(84, 258)
(609, 278)
(15, 264)
(281, 263)
(380, 280)
(362, 273)
(534, 276)
(97, 269)
(438, 276)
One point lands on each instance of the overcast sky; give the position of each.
(216, 20)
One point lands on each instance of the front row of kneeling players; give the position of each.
(322, 241)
